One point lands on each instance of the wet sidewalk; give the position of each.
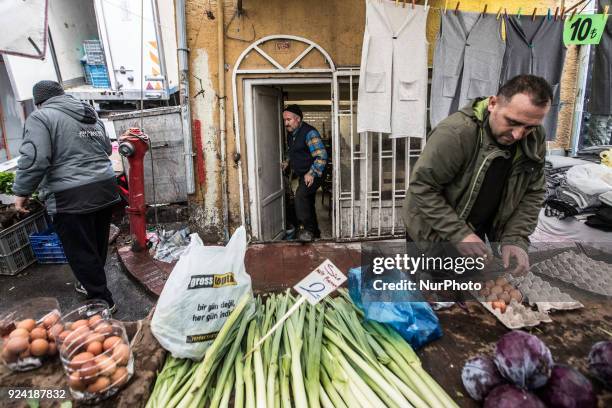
(272, 266)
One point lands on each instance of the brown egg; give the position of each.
(121, 354)
(508, 287)
(52, 348)
(78, 335)
(111, 342)
(88, 370)
(496, 290)
(38, 333)
(95, 337)
(491, 298)
(489, 284)
(505, 297)
(17, 344)
(499, 305)
(19, 333)
(103, 328)
(10, 357)
(39, 347)
(516, 295)
(119, 377)
(27, 324)
(55, 330)
(62, 336)
(51, 319)
(80, 359)
(485, 292)
(79, 323)
(501, 281)
(95, 348)
(106, 364)
(101, 384)
(74, 381)
(94, 319)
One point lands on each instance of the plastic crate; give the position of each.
(47, 247)
(97, 76)
(94, 52)
(15, 251)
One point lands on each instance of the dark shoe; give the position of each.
(305, 236)
(79, 288)
(317, 234)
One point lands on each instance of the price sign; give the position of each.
(320, 282)
(584, 29)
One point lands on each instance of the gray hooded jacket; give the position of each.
(65, 155)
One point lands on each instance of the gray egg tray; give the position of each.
(542, 294)
(578, 270)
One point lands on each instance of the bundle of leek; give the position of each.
(322, 356)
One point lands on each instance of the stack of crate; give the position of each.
(95, 66)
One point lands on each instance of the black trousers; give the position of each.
(305, 204)
(85, 241)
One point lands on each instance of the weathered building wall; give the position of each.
(335, 25)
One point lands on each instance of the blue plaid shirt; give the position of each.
(317, 151)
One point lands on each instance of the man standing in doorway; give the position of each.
(65, 156)
(307, 159)
(481, 174)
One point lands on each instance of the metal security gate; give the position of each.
(371, 170)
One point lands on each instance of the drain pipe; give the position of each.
(183, 65)
(222, 132)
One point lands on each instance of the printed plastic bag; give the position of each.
(199, 295)
(414, 321)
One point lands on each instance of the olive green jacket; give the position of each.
(448, 175)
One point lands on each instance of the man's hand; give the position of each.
(308, 179)
(473, 246)
(20, 203)
(284, 165)
(521, 257)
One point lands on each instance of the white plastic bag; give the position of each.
(199, 295)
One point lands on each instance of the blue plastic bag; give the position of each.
(416, 322)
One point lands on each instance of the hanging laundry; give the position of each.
(536, 47)
(467, 61)
(393, 75)
(601, 81)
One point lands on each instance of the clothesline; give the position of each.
(562, 15)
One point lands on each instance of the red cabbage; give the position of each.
(509, 396)
(479, 376)
(523, 359)
(567, 388)
(600, 362)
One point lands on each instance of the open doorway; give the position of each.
(271, 191)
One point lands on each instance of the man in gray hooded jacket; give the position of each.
(65, 156)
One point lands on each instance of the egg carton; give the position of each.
(538, 292)
(517, 315)
(579, 270)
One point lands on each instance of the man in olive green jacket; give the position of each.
(481, 174)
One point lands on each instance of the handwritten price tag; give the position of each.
(320, 282)
(584, 29)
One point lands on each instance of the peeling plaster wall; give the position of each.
(337, 26)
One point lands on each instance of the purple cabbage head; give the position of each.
(479, 376)
(509, 396)
(600, 362)
(523, 359)
(567, 388)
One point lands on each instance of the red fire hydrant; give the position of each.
(134, 145)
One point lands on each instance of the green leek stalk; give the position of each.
(249, 388)
(260, 377)
(297, 377)
(239, 382)
(330, 390)
(285, 391)
(281, 309)
(390, 390)
(315, 335)
(325, 401)
(227, 390)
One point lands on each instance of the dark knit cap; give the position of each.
(294, 109)
(44, 90)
